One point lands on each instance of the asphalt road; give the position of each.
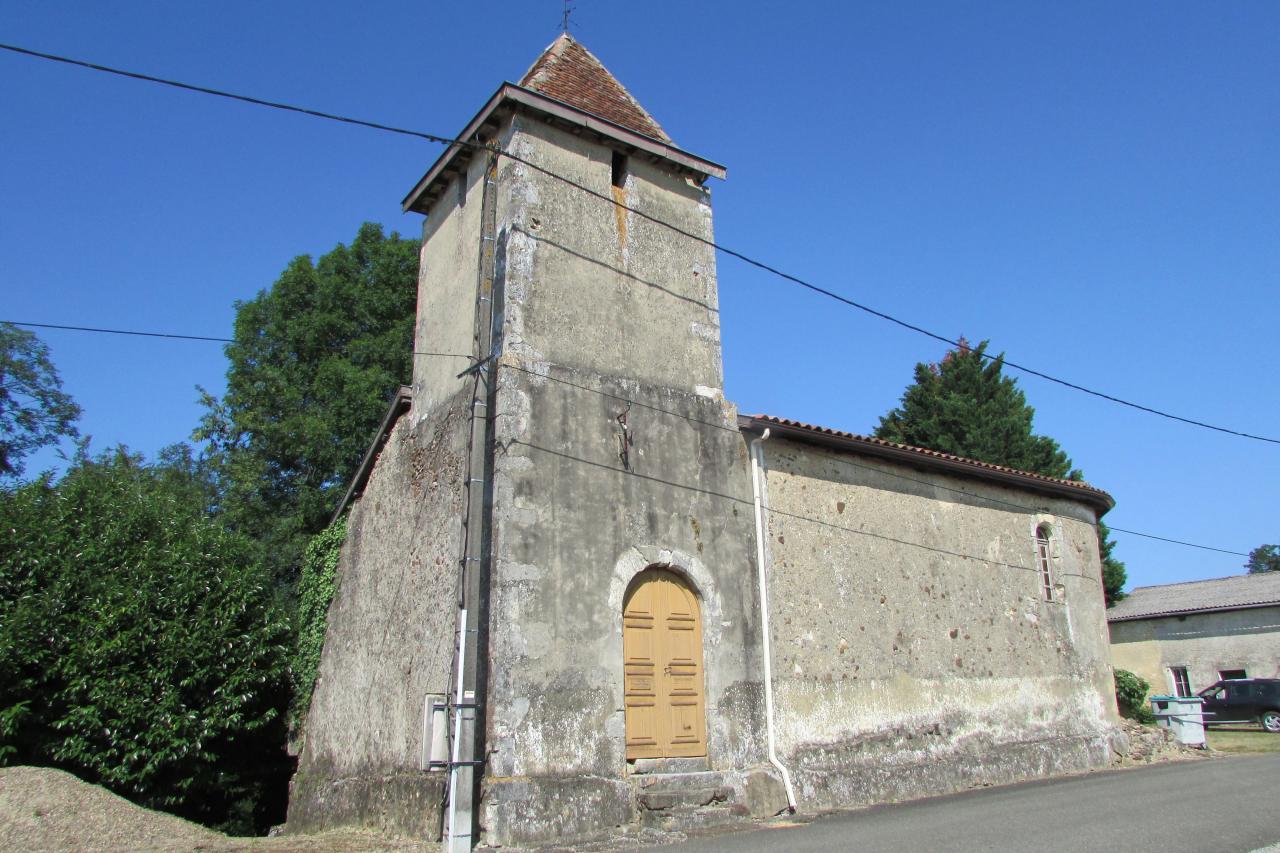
(1219, 805)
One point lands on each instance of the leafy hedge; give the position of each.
(140, 648)
(1131, 696)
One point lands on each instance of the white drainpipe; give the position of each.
(757, 486)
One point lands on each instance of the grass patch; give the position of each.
(1242, 740)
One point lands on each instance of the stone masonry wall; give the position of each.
(914, 651)
(602, 307)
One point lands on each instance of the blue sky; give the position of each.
(1093, 187)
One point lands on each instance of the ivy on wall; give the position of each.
(316, 586)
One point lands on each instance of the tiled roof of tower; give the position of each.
(568, 88)
(569, 72)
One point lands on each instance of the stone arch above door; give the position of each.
(635, 560)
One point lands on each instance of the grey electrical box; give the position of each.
(435, 732)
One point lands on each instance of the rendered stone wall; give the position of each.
(602, 307)
(1205, 643)
(915, 653)
(389, 641)
(448, 276)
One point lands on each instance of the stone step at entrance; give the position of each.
(686, 800)
(670, 765)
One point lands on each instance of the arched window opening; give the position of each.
(1043, 560)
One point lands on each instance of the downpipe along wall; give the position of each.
(762, 568)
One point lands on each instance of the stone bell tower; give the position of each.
(590, 285)
(566, 438)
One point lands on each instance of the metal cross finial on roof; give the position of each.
(564, 19)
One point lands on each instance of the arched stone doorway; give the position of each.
(662, 668)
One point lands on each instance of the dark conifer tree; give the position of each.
(1264, 558)
(966, 406)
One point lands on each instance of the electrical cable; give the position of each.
(643, 405)
(796, 516)
(205, 90)
(611, 200)
(118, 331)
(1176, 541)
(965, 492)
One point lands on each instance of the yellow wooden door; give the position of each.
(662, 668)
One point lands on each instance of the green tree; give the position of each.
(1264, 558)
(140, 647)
(313, 364)
(1113, 573)
(34, 410)
(966, 406)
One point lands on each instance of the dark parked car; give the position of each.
(1243, 700)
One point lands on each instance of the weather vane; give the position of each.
(564, 19)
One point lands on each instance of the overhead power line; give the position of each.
(877, 471)
(630, 402)
(609, 199)
(118, 331)
(205, 90)
(1177, 541)
(712, 494)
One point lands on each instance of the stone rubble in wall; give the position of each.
(1151, 745)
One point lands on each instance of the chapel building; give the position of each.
(581, 593)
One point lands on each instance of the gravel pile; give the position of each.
(48, 810)
(45, 809)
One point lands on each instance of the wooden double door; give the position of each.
(662, 668)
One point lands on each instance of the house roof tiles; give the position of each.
(1179, 599)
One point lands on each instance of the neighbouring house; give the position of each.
(581, 592)
(1182, 637)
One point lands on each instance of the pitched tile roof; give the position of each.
(569, 72)
(568, 86)
(1178, 599)
(922, 455)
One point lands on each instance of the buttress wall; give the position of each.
(389, 641)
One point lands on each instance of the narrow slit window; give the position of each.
(1043, 560)
(618, 169)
